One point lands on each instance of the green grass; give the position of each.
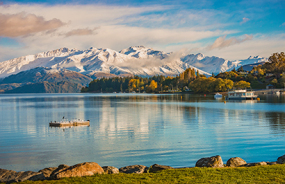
(257, 174)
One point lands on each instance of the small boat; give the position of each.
(241, 95)
(66, 123)
(218, 95)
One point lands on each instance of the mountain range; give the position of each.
(81, 66)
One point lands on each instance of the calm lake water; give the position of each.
(127, 129)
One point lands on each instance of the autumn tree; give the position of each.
(242, 84)
(152, 86)
(208, 85)
(276, 63)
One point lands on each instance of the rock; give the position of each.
(236, 162)
(60, 168)
(110, 170)
(138, 169)
(271, 163)
(9, 176)
(281, 160)
(256, 164)
(48, 171)
(156, 167)
(79, 170)
(215, 161)
(29, 175)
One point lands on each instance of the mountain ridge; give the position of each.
(135, 60)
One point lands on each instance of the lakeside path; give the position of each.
(256, 174)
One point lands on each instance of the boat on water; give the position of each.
(67, 123)
(218, 95)
(241, 94)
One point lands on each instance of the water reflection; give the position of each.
(126, 129)
(276, 122)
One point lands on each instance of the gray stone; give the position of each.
(48, 171)
(110, 170)
(235, 162)
(138, 169)
(156, 167)
(9, 176)
(281, 160)
(29, 175)
(271, 163)
(256, 164)
(215, 161)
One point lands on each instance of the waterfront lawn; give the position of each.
(257, 174)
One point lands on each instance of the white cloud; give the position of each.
(119, 27)
(261, 45)
(81, 32)
(152, 61)
(244, 20)
(23, 24)
(222, 42)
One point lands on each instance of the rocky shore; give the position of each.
(91, 168)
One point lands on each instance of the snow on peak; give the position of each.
(255, 57)
(200, 56)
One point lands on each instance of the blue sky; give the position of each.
(232, 30)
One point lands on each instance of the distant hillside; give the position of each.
(249, 67)
(41, 74)
(47, 87)
(6, 87)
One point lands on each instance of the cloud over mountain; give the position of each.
(222, 42)
(81, 32)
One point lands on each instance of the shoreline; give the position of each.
(92, 168)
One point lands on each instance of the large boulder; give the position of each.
(236, 162)
(79, 170)
(215, 161)
(9, 176)
(60, 168)
(110, 170)
(48, 171)
(156, 167)
(138, 169)
(281, 160)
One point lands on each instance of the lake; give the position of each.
(128, 129)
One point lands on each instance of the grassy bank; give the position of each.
(257, 174)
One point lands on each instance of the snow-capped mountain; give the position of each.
(138, 60)
(216, 65)
(134, 60)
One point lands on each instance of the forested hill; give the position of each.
(271, 72)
